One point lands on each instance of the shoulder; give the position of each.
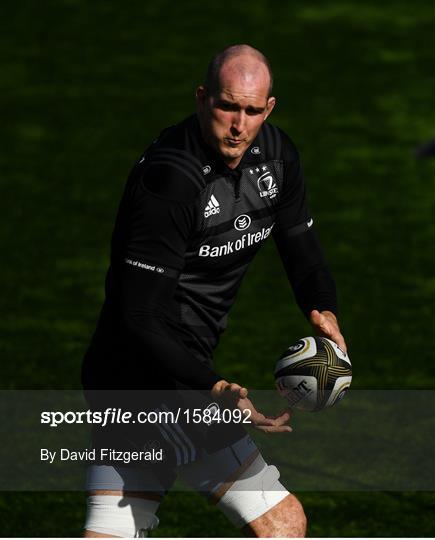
(277, 144)
(169, 168)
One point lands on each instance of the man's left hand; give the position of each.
(235, 396)
(325, 324)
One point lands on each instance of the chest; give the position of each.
(235, 215)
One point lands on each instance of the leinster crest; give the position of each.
(266, 183)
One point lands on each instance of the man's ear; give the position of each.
(201, 94)
(269, 107)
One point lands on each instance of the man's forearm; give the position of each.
(308, 273)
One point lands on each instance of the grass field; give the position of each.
(85, 86)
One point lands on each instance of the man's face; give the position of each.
(231, 118)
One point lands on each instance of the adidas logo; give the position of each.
(212, 207)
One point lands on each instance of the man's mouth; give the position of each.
(234, 142)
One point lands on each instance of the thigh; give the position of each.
(146, 482)
(238, 480)
(123, 501)
(214, 472)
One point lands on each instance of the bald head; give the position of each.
(234, 101)
(243, 61)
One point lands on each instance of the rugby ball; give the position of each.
(313, 373)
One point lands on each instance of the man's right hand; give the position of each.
(235, 396)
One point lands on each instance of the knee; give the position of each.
(285, 520)
(294, 516)
(259, 504)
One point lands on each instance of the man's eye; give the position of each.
(226, 106)
(253, 112)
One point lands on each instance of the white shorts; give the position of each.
(206, 474)
(236, 478)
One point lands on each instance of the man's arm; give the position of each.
(311, 281)
(300, 251)
(154, 223)
(146, 299)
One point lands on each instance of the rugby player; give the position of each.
(197, 206)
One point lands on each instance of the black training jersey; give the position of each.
(187, 217)
(227, 215)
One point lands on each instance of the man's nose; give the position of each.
(239, 121)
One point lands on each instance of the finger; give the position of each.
(315, 316)
(337, 338)
(234, 391)
(328, 329)
(282, 418)
(341, 343)
(232, 387)
(259, 419)
(275, 429)
(243, 393)
(320, 322)
(238, 390)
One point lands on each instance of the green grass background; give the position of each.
(85, 86)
